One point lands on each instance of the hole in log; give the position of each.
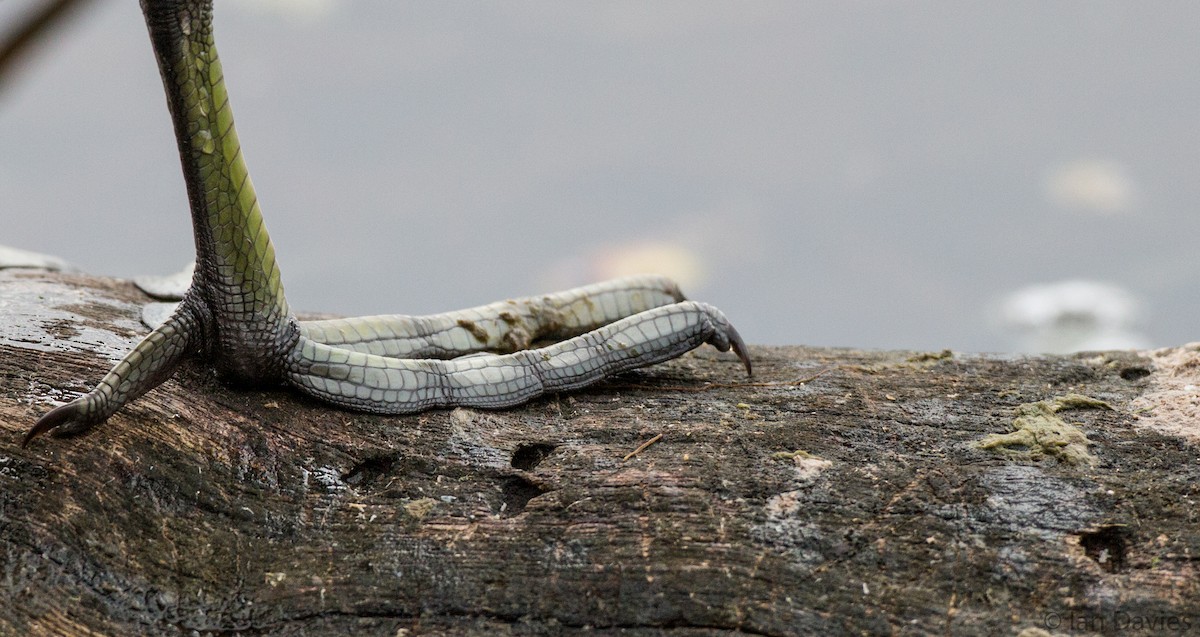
(370, 469)
(517, 492)
(1107, 545)
(528, 456)
(1134, 373)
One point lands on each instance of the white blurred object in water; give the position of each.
(17, 258)
(170, 287)
(1091, 185)
(1073, 316)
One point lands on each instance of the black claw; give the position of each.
(739, 348)
(68, 416)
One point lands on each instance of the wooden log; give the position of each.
(838, 491)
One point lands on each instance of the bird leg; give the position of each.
(235, 311)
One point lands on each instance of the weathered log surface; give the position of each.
(205, 510)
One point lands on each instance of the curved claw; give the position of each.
(725, 336)
(739, 347)
(68, 419)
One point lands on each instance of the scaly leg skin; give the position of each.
(504, 326)
(236, 313)
(381, 384)
(151, 362)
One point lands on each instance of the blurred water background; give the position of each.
(873, 174)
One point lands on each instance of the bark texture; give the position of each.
(837, 492)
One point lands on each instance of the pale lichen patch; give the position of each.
(807, 465)
(926, 357)
(418, 509)
(1038, 432)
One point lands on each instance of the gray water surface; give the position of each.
(874, 174)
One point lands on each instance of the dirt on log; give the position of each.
(838, 491)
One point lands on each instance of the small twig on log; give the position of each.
(708, 386)
(642, 448)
